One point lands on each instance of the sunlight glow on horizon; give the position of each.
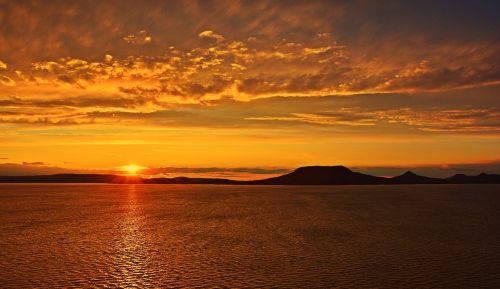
(131, 169)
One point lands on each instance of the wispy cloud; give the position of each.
(369, 113)
(431, 120)
(29, 168)
(177, 170)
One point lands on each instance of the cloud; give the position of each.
(435, 120)
(210, 71)
(108, 58)
(211, 35)
(305, 52)
(283, 67)
(427, 75)
(3, 65)
(179, 170)
(217, 172)
(437, 112)
(7, 81)
(140, 38)
(445, 120)
(30, 168)
(57, 30)
(33, 163)
(327, 118)
(83, 102)
(323, 35)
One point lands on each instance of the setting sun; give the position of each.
(131, 169)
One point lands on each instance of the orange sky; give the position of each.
(248, 89)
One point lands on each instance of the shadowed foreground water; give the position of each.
(63, 235)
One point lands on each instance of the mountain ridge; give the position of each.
(308, 175)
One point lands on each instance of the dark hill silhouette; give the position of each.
(62, 178)
(312, 175)
(319, 175)
(73, 178)
(412, 178)
(479, 179)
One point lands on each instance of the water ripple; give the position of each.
(154, 236)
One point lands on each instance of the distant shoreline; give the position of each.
(246, 185)
(311, 175)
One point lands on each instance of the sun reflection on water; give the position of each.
(132, 259)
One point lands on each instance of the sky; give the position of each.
(249, 89)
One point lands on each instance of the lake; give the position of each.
(195, 236)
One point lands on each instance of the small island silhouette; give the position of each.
(309, 175)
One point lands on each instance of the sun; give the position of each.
(131, 169)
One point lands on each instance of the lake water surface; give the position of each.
(84, 235)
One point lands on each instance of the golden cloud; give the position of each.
(140, 38)
(211, 35)
(138, 89)
(246, 70)
(7, 81)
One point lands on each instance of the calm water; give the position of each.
(242, 236)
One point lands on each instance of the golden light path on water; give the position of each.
(131, 262)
